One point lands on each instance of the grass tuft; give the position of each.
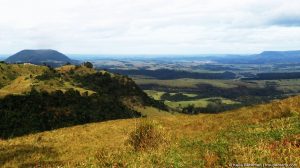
(148, 135)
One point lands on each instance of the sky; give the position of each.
(150, 26)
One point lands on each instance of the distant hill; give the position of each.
(266, 57)
(39, 57)
(278, 57)
(295, 53)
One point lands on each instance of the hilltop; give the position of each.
(39, 57)
(264, 134)
(38, 98)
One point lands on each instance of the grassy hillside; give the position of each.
(10, 72)
(21, 78)
(261, 134)
(39, 98)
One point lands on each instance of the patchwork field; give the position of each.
(201, 92)
(188, 83)
(197, 103)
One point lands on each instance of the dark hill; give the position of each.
(279, 57)
(49, 57)
(295, 53)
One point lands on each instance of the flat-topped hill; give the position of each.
(40, 57)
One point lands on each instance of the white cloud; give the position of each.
(150, 26)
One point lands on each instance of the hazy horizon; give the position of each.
(145, 54)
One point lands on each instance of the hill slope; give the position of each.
(265, 134)
(50, 57)
(38, 98)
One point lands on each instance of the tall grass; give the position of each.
(262, 134)
(148, 135)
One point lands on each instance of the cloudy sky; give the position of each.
(150, 26)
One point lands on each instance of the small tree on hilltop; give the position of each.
(88, 64)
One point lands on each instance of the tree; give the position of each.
(88, 64)
(190, 109)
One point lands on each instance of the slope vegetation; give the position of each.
(264, 134)
(38, 98)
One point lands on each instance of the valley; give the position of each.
(158, 114)
(213, 82)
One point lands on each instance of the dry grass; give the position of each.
(148, 135)
(20, 85)
(262, 134)
(19, 79)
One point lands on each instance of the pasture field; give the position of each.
(188, 83)
(197, 103)
(201, 97)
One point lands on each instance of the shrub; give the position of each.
(88, 65)
(148, 135)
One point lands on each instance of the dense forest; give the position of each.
(118, 87)
(275, 76)
(213, 108)
(40, 111)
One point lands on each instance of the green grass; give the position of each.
(21, 78)
(9, 72)
(154, 94)
(157, 94)
(180, 104)
(190, 95)
(191, 83)
(198, 102)
(288, 86)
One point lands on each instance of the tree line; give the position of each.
(41, 111)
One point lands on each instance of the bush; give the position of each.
(88, 65)
(148, 135)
